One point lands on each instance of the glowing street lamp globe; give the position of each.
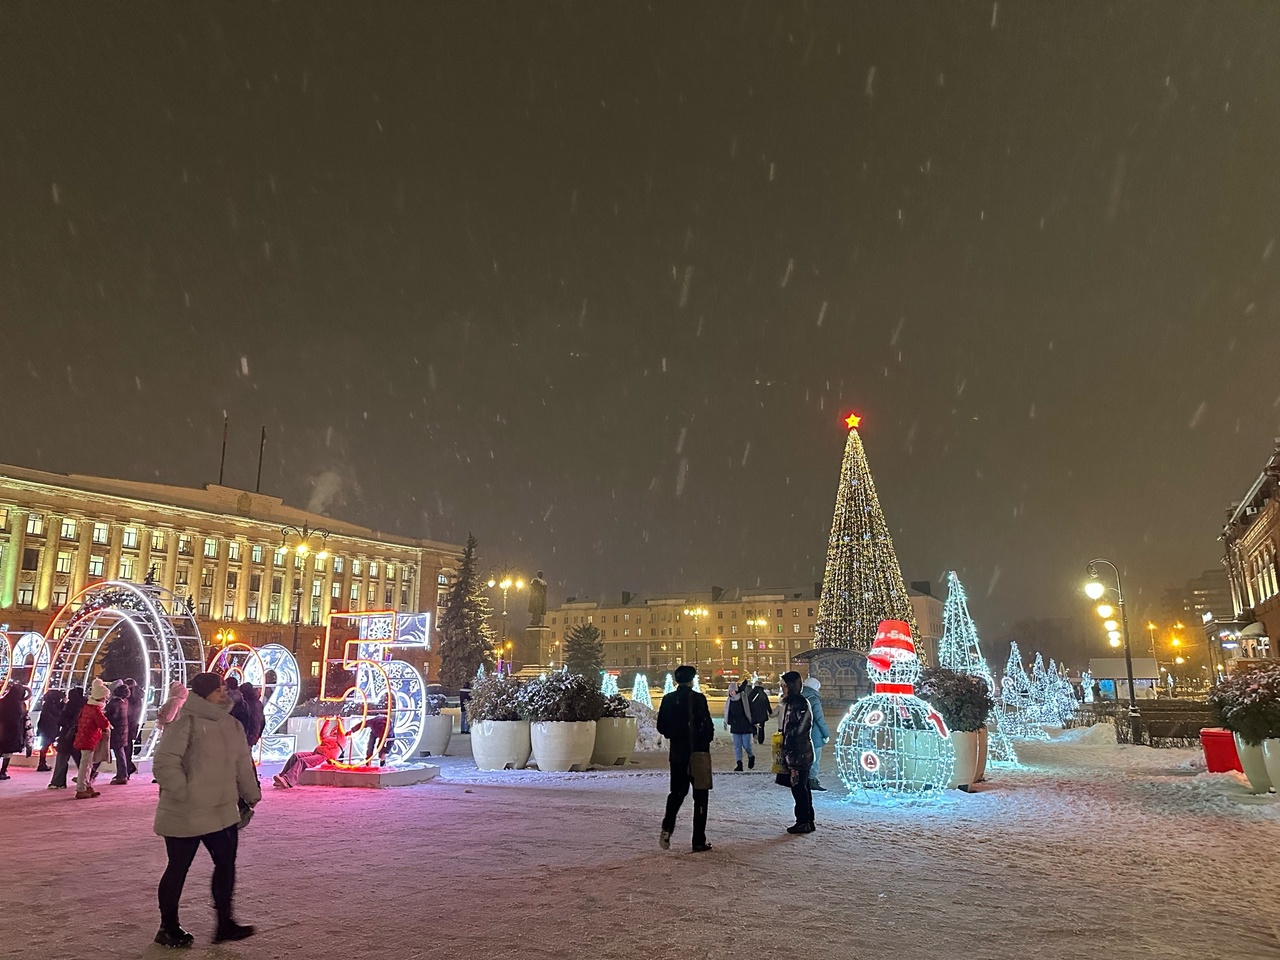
(1111, 625)
(1115, 641)
(1094, 590)
(1105, 610)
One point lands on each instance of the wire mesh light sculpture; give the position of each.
(892, 744)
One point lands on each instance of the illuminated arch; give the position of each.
(32, 651)
(159, 621)
(4, 662)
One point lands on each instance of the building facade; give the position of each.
(1251, 537)
(225, 549)
(744, 631)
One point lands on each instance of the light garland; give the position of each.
(608, 683)
(862, 582)
(640, 691)
(960, 650)
(1022, 708)
(668, 685)
(892, 744)
(1060, 700)
(1086, 686)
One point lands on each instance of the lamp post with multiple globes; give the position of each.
(302, 538)
(697, 613)
(505, 581)
(1095, 589)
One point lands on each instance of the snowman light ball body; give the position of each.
(891, 743)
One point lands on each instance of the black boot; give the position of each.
(738, 768)
(800, 828)
(230, 930)
(751, 762)
(174, 936)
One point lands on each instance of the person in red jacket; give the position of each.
(89, 732)
(333, 740)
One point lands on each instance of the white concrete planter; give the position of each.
(499, 744)
(1271, 759)
(1255, 765)
(560, 746)
(980, 774)
(436, 732)
(965, 772)
(615, 741)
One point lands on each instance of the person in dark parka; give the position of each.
(68, 724)
(117, 711)
(250, 714)
(761, 709)
(797, 751)
(137, 714)
(14, 724)
(685, 720)
(50, 716)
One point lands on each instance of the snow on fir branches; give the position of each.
(583, 650)
(466, 639)
(862, 583)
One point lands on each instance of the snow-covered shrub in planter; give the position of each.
(563, 709)
(1248, 704)
(964, 701)
(615, 734)
(500, 736)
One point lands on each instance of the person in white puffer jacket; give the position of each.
(205, 772)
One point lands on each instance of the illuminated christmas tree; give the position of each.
(862, 584)
(608, 684)
(1086, 686)
(669, 685)
(640, 691)
(959, 650)
(1022, 715)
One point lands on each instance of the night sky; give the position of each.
(596, 281)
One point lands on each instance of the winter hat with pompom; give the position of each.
(98, 693)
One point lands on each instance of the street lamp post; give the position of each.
(507, 581)
(302, 545)
(1095, 589)
(698, 613)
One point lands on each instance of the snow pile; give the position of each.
(647, 736)
(1098, 735)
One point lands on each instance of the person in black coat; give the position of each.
(137, 713)
(47, 727)
(761, 709)
(251, 715)
(14, 724)
(685, 720)
(797, 751)
(68, 724)
(117, 711)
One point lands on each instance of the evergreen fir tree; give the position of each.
(583, 651)
(466, 639)
(862, 584)
(960, 650)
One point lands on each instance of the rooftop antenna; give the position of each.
(262, 445)
(223, 462)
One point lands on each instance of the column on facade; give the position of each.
(13, 558)
(218, 595)
(344, 594)
(289, 575)
(48, 561)
(308, 587)
(170, 578)
(144, 553)
(243, 573)
(115, 535)
(80, 562)
(326, 589)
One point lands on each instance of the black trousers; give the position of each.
(802, 793)
(182, 850)
(680, 785)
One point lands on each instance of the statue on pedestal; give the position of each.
(537, 600)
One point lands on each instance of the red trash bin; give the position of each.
(1220, 750)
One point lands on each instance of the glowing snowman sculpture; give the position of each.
(891, 743)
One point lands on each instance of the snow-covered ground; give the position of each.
(1091, 850)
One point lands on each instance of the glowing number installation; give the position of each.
(156, 619)
(279, 697)
(4, 662)
(891, 743)
(360, 671)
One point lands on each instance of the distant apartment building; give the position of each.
(1251, 537)
(745, 631)
(225, 549)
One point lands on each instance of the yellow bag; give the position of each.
(777, 755)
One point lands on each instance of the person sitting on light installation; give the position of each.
(333, 740)
(891, 743)
(382, 734)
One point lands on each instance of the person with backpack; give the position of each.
(739, 722)
(818, 731)
(208, 788)
(64, 741)
(797, 751)
(685, 720)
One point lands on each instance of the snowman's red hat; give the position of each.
(893, 642)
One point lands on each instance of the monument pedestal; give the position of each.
(369, 777)
(535, 645)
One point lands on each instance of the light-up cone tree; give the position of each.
(1019, 696)
(640, 691)
(862, 583)
(960, 651)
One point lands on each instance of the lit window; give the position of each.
(4, 517)
(391, 571)
(322, 564)
(68, 529)
(273, 610)
(255, 554)
(229, 610)
(795, 628)
(355, 568)
(100, 533)
(157, 540)
(210, 548)
(35, 525)
(810, 613)
(129, 538)
(184, 575)
(204, 609)
(442, 580)
(64, 561)
(126, 568)
(233, 550)
(373, 568)
(316, 587)
(59, 596)
(336, 592)
(734, 628)
(251, 611)
(733, 645)
(315, 669)
(337, 565)
(95, 566)
(280, 552)
(26, 594)
(355, 592)
(184, 544)
(373, 589)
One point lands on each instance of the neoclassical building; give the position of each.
(1251, 536)
(227, 549)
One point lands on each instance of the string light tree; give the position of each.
(608, 683)
(891, 744)
(1019, 693)
(640, 691)
(959, 650)
(862, 583)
